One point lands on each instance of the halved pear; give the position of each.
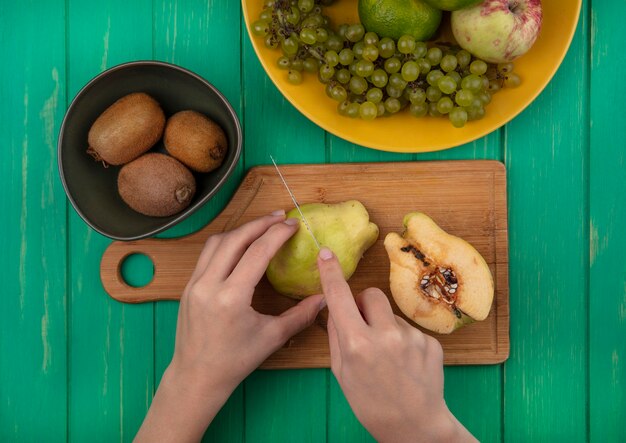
(437, 280)
(344, 228)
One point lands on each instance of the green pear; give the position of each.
(344, 228)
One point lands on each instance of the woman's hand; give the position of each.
(390, 372)
(220, 338)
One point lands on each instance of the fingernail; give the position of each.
(278, 212)
(292, 221)
(325, 254)
(322, 304)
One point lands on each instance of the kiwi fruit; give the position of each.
(126, 129)
(156, 185)
(195, 140)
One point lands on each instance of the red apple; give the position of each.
(498, 31)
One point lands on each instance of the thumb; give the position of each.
(300, 316)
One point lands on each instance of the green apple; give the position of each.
(498, 31)
(344, 228)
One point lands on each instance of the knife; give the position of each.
(295, 202)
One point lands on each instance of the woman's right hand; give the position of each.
(390, 372)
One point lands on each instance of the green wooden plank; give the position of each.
(288, 405)
(33, 318)
(195, 34)
(607, 176)
(111, 355)
(547, 158)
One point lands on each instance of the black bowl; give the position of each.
(92, 188)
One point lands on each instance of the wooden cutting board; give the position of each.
(466, 198)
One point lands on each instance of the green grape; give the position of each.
(512, 80)
(448, 63)
(334, 43)
(374, 95)
(464, 97)
(260, 28)
(463, 57)
(458, 117)
(346, 56)
(338, 93)
(393, 92)
(432, 110)
(418, 109)
(266, 15)
(332, 59)
(505, 68)
(352, 67)
(406, 44)
(306, 6)
(313, 22)
(293, 16)
(484, 97)
(475, 113)
(417, 95)
(370, 38)
(397, 81)
(433, 56)
(381, 108)
(485, 84)
(307, 35)
(433, 76)
(270, 42)
(386, 47)
(368, 110)
(283, 62)
(297, 64)
(310, 64)
(321, 35)
(472, 82)
(342, 108)
(445, 105)
(494, 86)
(353, 110)
(456, 77)
(392, 65)
(420, 50)
(358, 85)
(364, 68)
(329, 89)
(446, 84)
(478, 67)
(424, 65)
(370, 52)
(357, 49)
(433, 94)
(343, 76)
(410, 71)
(343, 28)
(355, 32)
(392, 105)
(326, 72)
(379, 78)
(294, 77)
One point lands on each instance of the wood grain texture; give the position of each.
(111, 358)
(467, 199)
(546, 158)
(33, 316)
(607, 223)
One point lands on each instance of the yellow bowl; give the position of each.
(402, 132)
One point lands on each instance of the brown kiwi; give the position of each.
(195, 140)
(126, 129)
(156, 185)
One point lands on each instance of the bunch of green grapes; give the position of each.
(372, 77)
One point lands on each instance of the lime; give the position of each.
(451, 5)
(395, 18)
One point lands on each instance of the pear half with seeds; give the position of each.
(344, 228)
(437, 280)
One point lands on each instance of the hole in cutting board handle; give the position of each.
(137, 270)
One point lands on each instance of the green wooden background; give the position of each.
(76, 365)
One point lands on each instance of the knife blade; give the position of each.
(295, 202)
